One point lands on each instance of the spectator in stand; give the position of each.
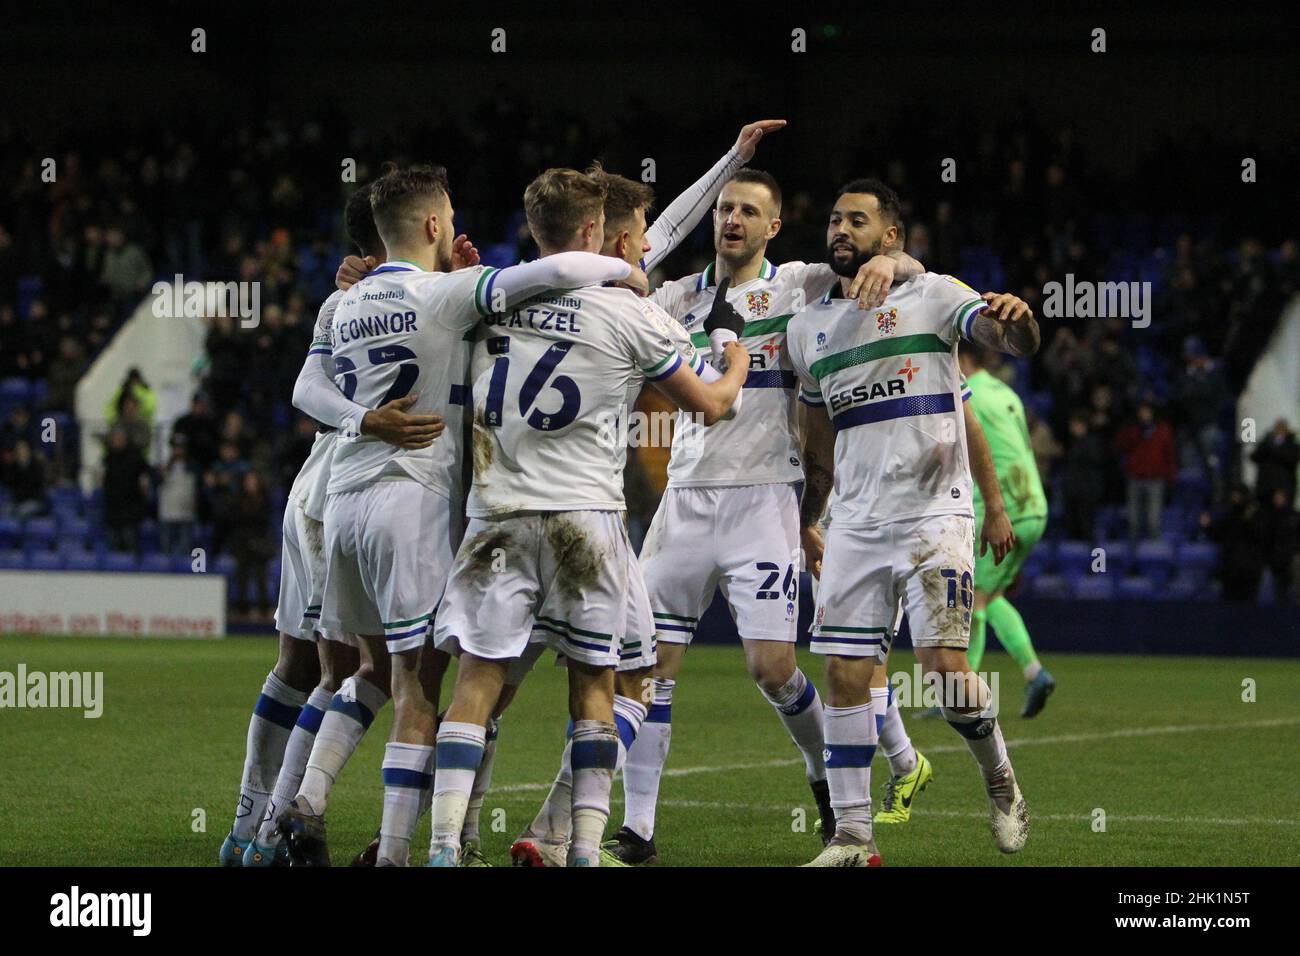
(127, 272)
(136, 387)
(1198, 397)
(178, 493)
(251, 542)
(199, 427)
(64, 373)
(222, 482)
(126, 491)
(1044, 444)
(1280, 540)
(1150, 463)
(1085, 478)
(137, 429)
(1277, 457)
(1238, 531)
(24, 475)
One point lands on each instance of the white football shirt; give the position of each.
(761, 445)
(551, 381)
(890, 381)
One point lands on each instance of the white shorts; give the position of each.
(928, 563)
(744, 540)
(564, 573)
(302, 574)
(387, 551)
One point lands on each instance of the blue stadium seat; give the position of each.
(1073, 557)
(66, 498)
(45, 561)
(118, 561)
(156, 563)
(11, 559)
(182, 564)
(149, 536)
(1198, 556)
(1137, 587)
(1053, 586)
(1155, 559)
(1095, 587)
(16, 391)
(39, 534)
(1119, 554)
(73, 526)
(11, 532)
(81, 561)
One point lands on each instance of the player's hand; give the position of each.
(871, 284)
(722, 314)
(392, 423)
(352, 270)
(997, 531)
(810, 539)
(637, 281)
(733, 353)
(751, 133)
(1006, 307)
(463, 253)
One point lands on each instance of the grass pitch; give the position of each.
(1185, 771)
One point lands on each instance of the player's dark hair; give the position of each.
(623, 197)
(976, 353)
(559, 202)
(763, 178)
(891, 207)
(359, 220)
(399, 196)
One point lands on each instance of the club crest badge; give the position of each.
(886, 321)
(758, 303)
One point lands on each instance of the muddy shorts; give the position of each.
(562, 574)
(928, 563)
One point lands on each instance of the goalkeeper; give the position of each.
(1002, 416)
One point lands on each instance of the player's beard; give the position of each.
(848, 268)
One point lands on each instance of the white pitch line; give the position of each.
(961, 748)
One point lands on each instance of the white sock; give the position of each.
(274, 716)
(894, 740)
(800, 709)
(593, 753)
(459, 753)
(296, 753)
(982, 734)
(554, 820)
(629, 715)
(850, 746)
(1033, 669)
(482, 783)
(408, 772)
(645, 762)
(350, 714)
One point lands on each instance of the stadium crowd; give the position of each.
(1133, 427)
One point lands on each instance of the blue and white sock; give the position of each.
(594, 753)
(629, 715)
(408, 776)
(850, 747)
(274, 715)
(800, 709)
(350, 714)
(645, 761)
(894, 740)
(459, 753)
(482, 783)
(296, 753)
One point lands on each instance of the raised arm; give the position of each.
(997, 530)
(684, 213)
